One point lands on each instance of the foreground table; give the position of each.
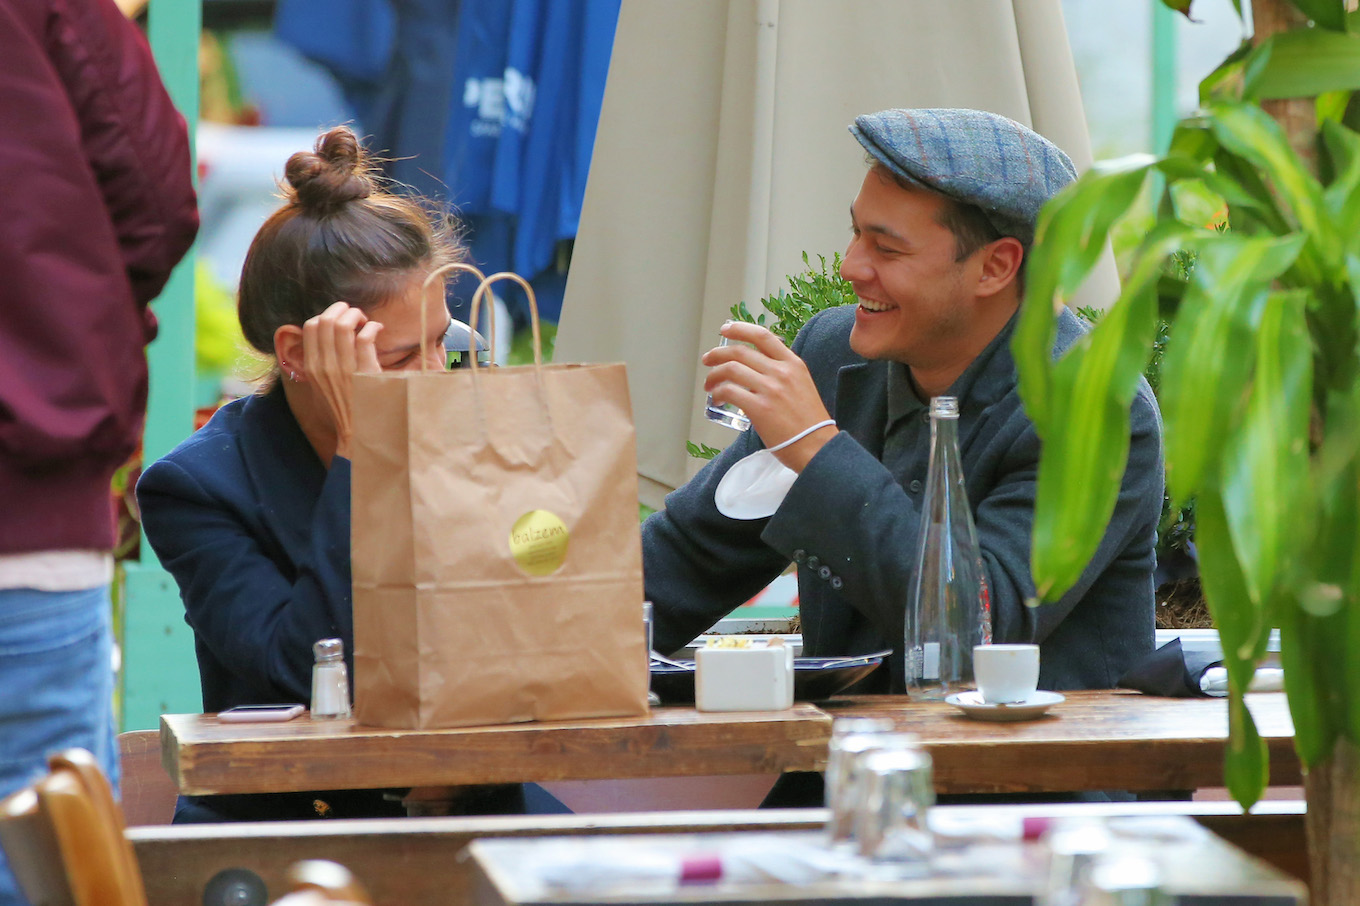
(423, 861)
(1192, 864)
(1095, 740)
(205, 756)
(1106, 740)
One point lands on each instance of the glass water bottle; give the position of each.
(947, 611)
(330, 681)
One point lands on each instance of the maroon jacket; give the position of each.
(96, 206)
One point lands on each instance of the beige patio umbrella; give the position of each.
(722, 155)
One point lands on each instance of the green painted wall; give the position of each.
(1164, 77)
(159, 671)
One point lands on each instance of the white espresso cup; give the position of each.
(1006, 674)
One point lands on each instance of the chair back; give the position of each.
(146, 792)
(63, 836)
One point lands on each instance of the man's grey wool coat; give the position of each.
(852, 525)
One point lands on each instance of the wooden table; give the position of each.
(1095, 740)
(205, 756)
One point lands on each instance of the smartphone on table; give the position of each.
(251, 713)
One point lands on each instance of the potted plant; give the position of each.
(1260, 392)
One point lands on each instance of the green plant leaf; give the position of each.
(1251, 203)
(1302, 63)
(701, 451)
(1227, 79)
(1265, 481)
(1072, 232)
(1183, 7)
(1251, 135)
(1209, 354)
(1244, 631)
(1192, 140)
(1241, 622)
(1086, 445)
(1197, 205)
(1246, 767)
(1325, 13)
(812, 291)
(1310, 650)
(1331, 106)
(1340, 151)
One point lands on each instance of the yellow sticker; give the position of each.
(538, 542)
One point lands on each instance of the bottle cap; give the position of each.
(944, 407)
(329, 649)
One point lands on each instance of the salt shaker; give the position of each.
(330, 681)
(652, 698)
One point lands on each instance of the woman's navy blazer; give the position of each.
(255, 531)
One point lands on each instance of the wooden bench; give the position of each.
(405, 862)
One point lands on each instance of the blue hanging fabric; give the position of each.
(512, 155)
(419, 80)
(353, 39)
(478, 111)
(475, 122)
(540, 176)
(597, 43)
(548, 41)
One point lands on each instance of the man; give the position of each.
(939, 234)
(98, 206)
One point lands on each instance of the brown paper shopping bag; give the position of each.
(497, 562)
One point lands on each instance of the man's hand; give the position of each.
(772, 386)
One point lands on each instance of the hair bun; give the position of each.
(336, 172)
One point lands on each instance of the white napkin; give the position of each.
(754, 487)
(1214, 681)
(583, 865)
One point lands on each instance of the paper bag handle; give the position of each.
(533, 320)
(533, 310)
(481, 277)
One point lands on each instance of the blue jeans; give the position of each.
(56, 688)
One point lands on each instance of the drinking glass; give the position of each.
(851, 739)
(726, 413)
(896, 792)
(1075, 847)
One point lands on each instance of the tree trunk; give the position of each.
(1332, 787)
(1298, 116)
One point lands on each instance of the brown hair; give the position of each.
(338, 236)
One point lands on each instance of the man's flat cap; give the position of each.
(976, 157)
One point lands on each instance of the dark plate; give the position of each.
(814, 678)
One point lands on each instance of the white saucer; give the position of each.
(971, 703)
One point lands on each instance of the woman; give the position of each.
(251, 514)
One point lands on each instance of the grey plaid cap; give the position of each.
(980, 158)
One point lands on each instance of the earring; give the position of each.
(292, 376)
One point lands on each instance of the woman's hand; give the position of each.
(337, 343)
(772, 386)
